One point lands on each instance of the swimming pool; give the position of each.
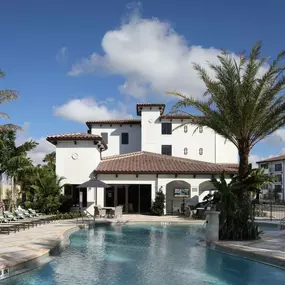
(146, 254)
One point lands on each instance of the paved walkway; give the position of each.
(32, 243)
(269, 249)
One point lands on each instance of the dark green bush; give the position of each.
(66, 203)
(70, 215)
(158, 204)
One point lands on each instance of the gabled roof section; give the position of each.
(275, 158)
(150, 105)
(148, 162)
(113, 122)
(77, 137)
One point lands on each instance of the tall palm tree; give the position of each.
(13, 158)
(243, 101)
(7, 95)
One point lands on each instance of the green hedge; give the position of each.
(70, 215)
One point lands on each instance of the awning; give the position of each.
(93, 183)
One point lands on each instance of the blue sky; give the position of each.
(77, 60)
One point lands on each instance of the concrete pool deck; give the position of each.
(269, 249)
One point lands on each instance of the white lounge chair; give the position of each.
(9, 215)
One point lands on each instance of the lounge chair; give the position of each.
(19, 214)
(7, 228)
(25, 213)
(33, 212)
(9, 215)
(3, 219)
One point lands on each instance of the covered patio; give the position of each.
(136, 198)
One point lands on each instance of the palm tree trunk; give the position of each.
(243, 159)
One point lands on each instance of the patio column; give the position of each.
(115, 195)
(127, 199)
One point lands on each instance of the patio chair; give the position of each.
(188, 212)
(98, 211)
(10, 216)
(118, 212)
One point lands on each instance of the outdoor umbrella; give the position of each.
(93, 183)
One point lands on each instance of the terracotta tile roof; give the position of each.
(275, 158)
(147, 162)
(123, 121)
(76, 136)
(141, 105)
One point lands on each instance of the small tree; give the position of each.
(158, 204)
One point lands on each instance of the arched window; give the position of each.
(200, 129)
(185, 129)
(185, 150)
(200, 151)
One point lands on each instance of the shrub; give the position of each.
(70, 215)
(158, 204)
(66, 203)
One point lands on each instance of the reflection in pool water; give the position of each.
(146, 254)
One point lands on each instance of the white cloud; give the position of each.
(151, 56)
(62, 55)
(253, 158)
(44, 147)
(87, 109)
(277, 138)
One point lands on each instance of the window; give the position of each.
(185, 150)
(125, 138)
(277, 188)
(264, 165)
(166, 128)
(200, 129)
(185, 129)
(278, 177)
(278, 167)
(200, 151)
(105, 137)
(166, 149)
(265, 187)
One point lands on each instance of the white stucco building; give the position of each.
(137, 157)
(274, 166)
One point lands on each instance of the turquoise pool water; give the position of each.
(146, 255)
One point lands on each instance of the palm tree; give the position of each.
(14, 158)
(50, 159)
(243, 102)
(7, 95)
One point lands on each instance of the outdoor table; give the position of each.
(108, 210)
